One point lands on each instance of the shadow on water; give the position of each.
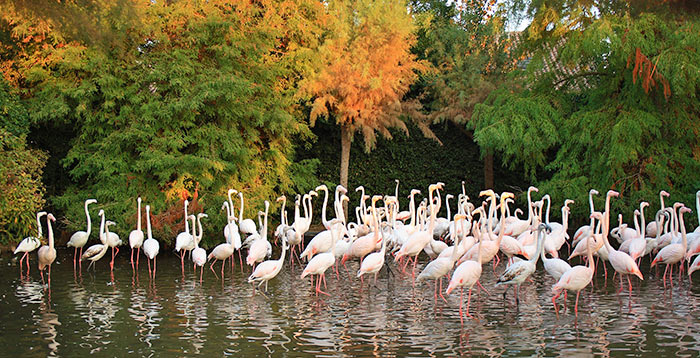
(92, 312)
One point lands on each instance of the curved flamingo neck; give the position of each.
(200, 234)
(38, 225)
(643, 227)
(323, 210)
(50, 232)
(240, 211)
(138, 215)
(87, 215)
(187, 228)
(148, 222)
(684, 239)
(264, 226)
(636, 222)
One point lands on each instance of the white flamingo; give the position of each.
(30, 243)
(184, 241)
(97, 251)
(136, 236)
(151, 247)
(199, 255)
(47, 253)
(80, 238)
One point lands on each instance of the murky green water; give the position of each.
(94, 313)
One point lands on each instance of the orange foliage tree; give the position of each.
(365, 67)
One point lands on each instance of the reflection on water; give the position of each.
(95, 312)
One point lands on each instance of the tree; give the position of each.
(467, 44)
(20, 171)
(619, 87)
(365, 67)
(198, 98)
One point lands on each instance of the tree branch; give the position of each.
(580, 74)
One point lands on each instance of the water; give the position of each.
(94, 313)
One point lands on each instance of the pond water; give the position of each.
(97, 313)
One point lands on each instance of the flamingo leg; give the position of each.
(554, 302)
(49, 276)
(461, 301)
(482, 287)
(201, 273)
(154, 267)
(469, 300)
(138, 253)
(441, 296)
(182, 261)
(576, 306)
(80, 261)
(240, 258)
(211, 267)
(318, 284)
(666, 270)
(149, 267)
(75, 257)
(222, 270)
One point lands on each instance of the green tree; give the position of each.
(609, 100)
(20, 171)
(199, 100)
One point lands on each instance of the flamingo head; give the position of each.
(613, 193)
(665, 193)
(321, 187)
(593, 192)
(532, 188)
(92, 201)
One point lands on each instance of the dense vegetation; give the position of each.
(175, 100)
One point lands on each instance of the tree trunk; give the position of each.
(488, 170)
(345, 142)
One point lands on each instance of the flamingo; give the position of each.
(673, 253)
(620, 261)
(47, 253)
(269, 269)
(638, 245)
(112, 240)
(467, 274)
(97, 251)
(136, 236)
(30, 243)
(231, 233)
(576, 278)
(151, 245)
(320, 263)
(518, 272)
(184, 240)
(694, 266)
(418, 240)
(373, 262)
(440, 266)
(199, 255)
(260, 248)
(222, 251)
(80, 238)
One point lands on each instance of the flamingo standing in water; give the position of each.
(97, 251)
(518, 272)
(136, 236)
(30, 243)
(468, 272)
(184, 240)
(47, 253)
(321, 262)
(620, 261)
(80, 238)
(222, 251)
(151, 247)
(199, 255)
(578, 277)
(267, 270)
(674, 253)
(374, 262)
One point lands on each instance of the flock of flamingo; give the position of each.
(458, 246)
